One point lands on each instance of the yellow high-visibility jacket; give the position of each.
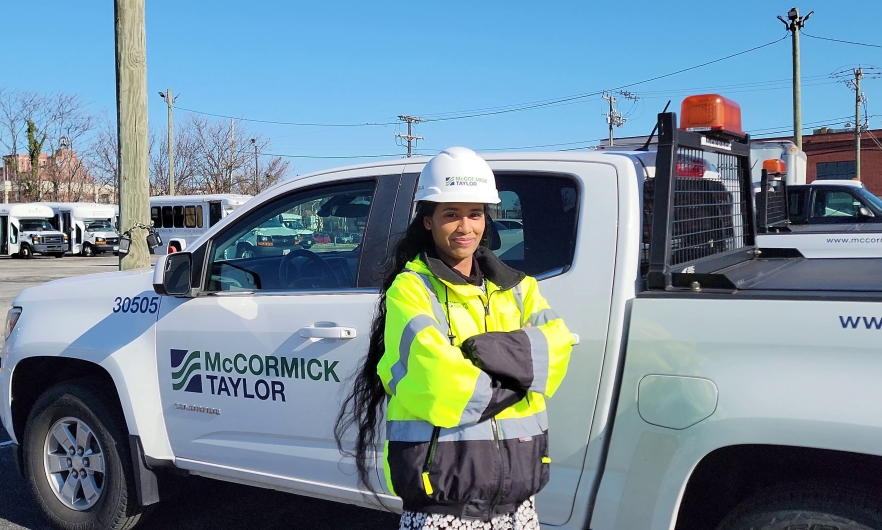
(466, 427)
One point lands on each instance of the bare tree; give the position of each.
(17, 108)
(264, 172)
(103, 162)
(186, 162)
(67, 123)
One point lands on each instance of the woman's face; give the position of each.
(457, 228)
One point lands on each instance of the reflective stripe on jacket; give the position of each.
(466, 426)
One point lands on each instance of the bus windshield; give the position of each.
(35, 225)
(99, 225)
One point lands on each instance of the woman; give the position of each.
(465, 349)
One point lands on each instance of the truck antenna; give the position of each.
(654, 129)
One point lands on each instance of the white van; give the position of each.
(89, 226)
(25, 230)
(182, 218)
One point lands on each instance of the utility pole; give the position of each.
(256, 175)
(614, 118)
(170, 101)
(409, 136)
(796, 23)
(858, 99)
(232, 149)
(131, 104)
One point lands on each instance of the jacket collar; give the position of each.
(491, 266)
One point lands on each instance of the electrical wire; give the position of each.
(488, 111)
(547, 103)
(842, 41)
(340, 157)
(384, 124)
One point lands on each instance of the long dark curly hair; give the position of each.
(364, 405)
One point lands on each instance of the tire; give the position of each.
(59, 255)
(87, 250)
(78, 413)
(822, 506)
(25, 252)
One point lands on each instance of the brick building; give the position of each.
(830, 156)
(62, 177)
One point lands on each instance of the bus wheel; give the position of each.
(87, 250)
(26, 252)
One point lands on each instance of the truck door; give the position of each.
(4, 235)
(252, 371)
(66, 228)
(215, 212)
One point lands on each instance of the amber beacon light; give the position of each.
(710, 112)
(775, 166)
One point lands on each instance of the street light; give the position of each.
(256, 174)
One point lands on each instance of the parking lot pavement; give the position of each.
(203, 503)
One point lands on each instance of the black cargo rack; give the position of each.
(702, 207)
(771, 204)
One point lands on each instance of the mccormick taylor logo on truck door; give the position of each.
(243, 376)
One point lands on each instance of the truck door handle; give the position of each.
(319, 331)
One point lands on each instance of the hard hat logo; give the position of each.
(465, 181)
(457, 174)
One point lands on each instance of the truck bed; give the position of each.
(851, 278)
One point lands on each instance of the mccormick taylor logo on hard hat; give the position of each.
(465, 181)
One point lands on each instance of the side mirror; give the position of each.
(171, 276)
(865, 213)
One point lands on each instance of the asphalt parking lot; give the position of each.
(203, 503)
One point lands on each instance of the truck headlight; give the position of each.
(36, 239)
(65, 238)
(99, 240)
(11, 320)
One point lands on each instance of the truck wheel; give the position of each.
(828, 506)
(87, 250)
(76, 459)
(25, 252)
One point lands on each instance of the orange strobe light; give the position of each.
(775, 166)
(710, 112)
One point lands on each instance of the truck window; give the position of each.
(156, 216)
(178, 216)
(190, 216)
(263, 251)
(835, 204)
(537, 227)
(199, 220)
(215, 213)
(167, 217)
(796, 205)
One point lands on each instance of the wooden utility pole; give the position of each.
(796, 23)
(409, 136)
(131, 105)
(170, 101)
(858, 99)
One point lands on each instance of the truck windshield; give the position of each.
(870, 198)
(101, 225)
(35, 225)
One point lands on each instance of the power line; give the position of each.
(384, 124)
(843, 41)
(547, 103)
(340, 157)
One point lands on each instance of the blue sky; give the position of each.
(367, 62)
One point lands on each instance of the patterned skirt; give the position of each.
(524, 518)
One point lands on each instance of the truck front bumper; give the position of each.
(105, 248)
(52, 248)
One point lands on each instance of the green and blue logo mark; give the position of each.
(185, 368)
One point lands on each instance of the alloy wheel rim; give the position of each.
(74, 463)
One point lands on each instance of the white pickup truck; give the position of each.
(828, 219)
(709, 388)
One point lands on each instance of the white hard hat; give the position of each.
(457, 174)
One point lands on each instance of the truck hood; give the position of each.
(79, 289)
